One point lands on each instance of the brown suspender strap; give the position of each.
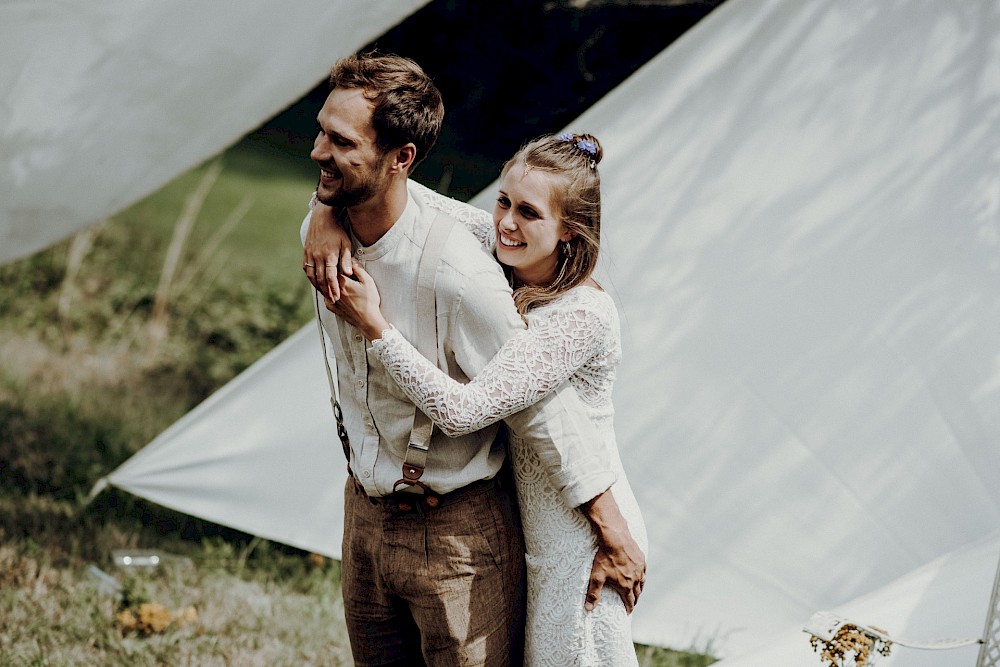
(338, 414)
(427, 344)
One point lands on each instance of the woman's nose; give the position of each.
(507, 222)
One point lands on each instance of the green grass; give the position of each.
(264, 248)
(83, 387)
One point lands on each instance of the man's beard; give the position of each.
(370, 185)
(346, 198)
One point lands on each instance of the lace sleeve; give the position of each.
(530, 365)
(476, 220)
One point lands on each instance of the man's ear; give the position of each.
(402, 159)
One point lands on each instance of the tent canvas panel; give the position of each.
(173, 84)
(801, 230)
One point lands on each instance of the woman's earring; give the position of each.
(567, 249)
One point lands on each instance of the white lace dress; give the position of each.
(575, 338)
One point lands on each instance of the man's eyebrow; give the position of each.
(336, 134)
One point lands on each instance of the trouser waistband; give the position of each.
(408, 502)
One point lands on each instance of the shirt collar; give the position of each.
(389, 240)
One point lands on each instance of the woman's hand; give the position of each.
(327, 249)
(359, 303)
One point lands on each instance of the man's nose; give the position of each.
(321, 149)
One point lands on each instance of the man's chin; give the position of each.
(346, 198)
(329, 196)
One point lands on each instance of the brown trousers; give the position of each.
(438, 586)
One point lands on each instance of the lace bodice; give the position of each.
(573, 338)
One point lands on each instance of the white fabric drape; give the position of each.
(260, 455)
(802, 232)
(802, 218)
(104, 101)
(947, 598)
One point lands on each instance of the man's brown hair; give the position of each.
(406, 105)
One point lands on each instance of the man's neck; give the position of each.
(372, 219)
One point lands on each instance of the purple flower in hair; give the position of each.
(565, 136)
(587, 146)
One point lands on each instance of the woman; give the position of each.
(545, 232)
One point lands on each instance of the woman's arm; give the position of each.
(528, 366)
(359, 303)
(327, 245)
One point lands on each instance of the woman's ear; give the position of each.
(403, 158)
(567, 235)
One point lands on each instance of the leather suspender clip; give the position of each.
(411, 477)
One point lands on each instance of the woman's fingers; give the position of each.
(346, 260)
(359, 272)
(330, 280)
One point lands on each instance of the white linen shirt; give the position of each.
(476, 315)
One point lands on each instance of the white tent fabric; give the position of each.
(260, 455)
(802, 212)
(104, 101)
(946, 599)
(803, 224)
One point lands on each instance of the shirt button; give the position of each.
(361, 383)
(357, 336)
(367, 473)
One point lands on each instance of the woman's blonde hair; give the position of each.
(572, 160)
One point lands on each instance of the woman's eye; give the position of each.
(529, 213)
(503, 202)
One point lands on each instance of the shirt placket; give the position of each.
(359, 385)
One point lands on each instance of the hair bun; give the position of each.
(592, 141)
(586, 144)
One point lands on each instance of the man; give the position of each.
(434, 571)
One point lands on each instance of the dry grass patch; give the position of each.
(59, 616)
